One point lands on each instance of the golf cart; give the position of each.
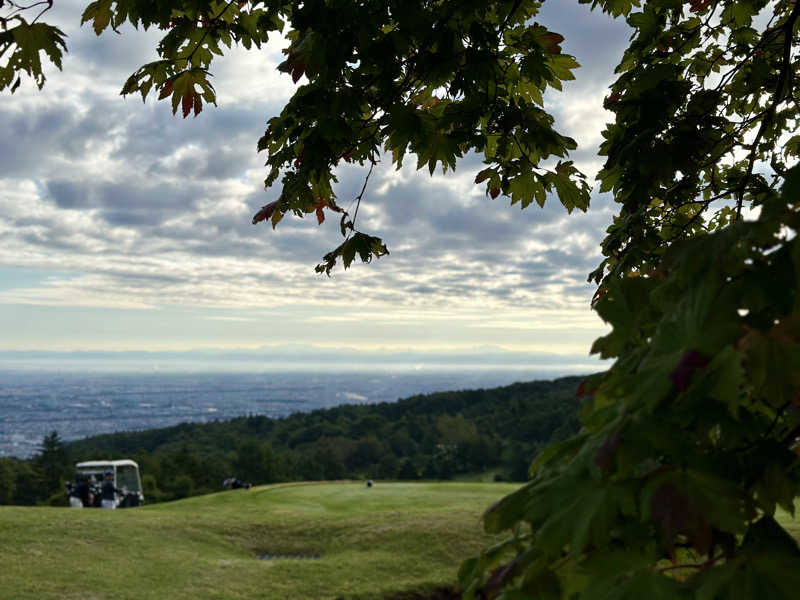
(126, 480)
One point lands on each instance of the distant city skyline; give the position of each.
(127, 229)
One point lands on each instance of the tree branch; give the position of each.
(504, 24)
(784, 79)
(361, 194)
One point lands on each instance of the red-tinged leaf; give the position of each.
(187, 103)
(483, 175)
(606, 453)
(691, 361)
(320, 215)
(552, 42)
(198, 104)
(298, 68)
(494, 192)
(610, 100)
(671, 510)
(498, 578)
(750, 338)
(166, 90)
(584, 389)
(265, 212)
(697, 6)
(598, 295)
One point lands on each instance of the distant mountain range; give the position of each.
(299, 356)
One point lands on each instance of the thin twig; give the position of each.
(361, 195)
(206, 29)
(49, 4)
(19, 8)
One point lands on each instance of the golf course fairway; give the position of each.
(307, 540)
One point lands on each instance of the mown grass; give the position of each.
(331, 540)
(366, 543)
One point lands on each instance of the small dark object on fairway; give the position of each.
(369, 482)
(233, 483)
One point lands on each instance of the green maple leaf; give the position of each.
(99, 13)
(442, 149)
(26, 42)
(526, 187)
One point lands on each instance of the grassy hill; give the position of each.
(324, 540)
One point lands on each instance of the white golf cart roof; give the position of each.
(104, 464)
(126, 475)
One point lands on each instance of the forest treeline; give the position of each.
(434, 436)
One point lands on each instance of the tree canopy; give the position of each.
(689, 442)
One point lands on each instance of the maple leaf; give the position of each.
(697, 6)
(672, 511)
(552, 42)
(166, 90)
(330, 205)
(294, 65)
(297, 70)
(606, 453)
(691, 361)
(198, 104)
(610, 100)
(265, 212)
(483, 175)
(187, 102)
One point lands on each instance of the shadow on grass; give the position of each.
(430, 593)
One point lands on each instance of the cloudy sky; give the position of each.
(123, 227)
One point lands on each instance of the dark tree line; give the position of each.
(433, 436)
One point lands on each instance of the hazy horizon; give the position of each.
(318, 359)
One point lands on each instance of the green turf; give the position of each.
(363, 543)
